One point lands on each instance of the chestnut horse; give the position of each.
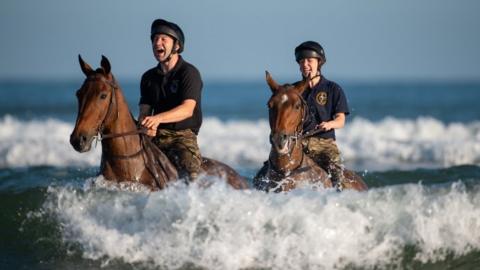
(128, 155)
(288, 166)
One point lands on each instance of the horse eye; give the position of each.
(103, 96)
(297, 106)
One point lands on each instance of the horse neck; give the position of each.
(286, 163)
(122, 122)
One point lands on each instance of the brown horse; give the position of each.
(127, 154)
(288, 166)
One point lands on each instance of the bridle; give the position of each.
(298, 134)
(154, 162)
(113, 98)
(113, 102)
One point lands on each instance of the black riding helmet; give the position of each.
(310, 49)
(160, 26)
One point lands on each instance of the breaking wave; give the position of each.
(220, 228)
(244, 143)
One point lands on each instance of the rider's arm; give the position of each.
(337, 123)
(177, 114)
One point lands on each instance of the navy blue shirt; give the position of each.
(165, 91)
(324, 101)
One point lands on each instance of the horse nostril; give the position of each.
(83, 139)
(78, 141)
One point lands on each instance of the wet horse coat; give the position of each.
(127, 154)
(288, 166)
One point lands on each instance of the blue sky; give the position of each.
(363, 40)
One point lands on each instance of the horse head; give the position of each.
(287, 111)
(97, 105)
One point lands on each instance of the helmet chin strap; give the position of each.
(173, 51)
(168, 58)
(316, 75)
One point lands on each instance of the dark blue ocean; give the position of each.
(416, 143)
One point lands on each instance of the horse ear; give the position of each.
(273, 85)
(86, 68)
(105, 64)
(301, 85)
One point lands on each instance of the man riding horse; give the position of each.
(170, 102)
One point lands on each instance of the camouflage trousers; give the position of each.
(181, 148)
(326, 154)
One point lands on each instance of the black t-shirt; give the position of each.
(164, 92)
(324, 101)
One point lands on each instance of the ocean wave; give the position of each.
(220, 228)
(244, 144)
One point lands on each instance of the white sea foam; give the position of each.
(220, 228)
(244, 144)
(423, 140)
(40, 142)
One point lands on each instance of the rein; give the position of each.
(310, 133)
(125, 134)
(155, 161)
(299, 135)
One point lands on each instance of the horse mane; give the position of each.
(100, 71)
(288, 86)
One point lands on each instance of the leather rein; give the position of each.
(155, 165)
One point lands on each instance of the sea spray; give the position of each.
(222, 228)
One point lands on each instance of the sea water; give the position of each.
(417, 145)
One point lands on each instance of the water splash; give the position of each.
(221, 228)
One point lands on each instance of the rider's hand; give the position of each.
(151, 123)
(326, 126)
(151, 132)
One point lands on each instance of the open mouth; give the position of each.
(160, 51)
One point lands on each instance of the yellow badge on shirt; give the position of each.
(321, 98)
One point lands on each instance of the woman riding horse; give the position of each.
(288, 166)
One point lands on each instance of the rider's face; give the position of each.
(162, 46)
(308, 67)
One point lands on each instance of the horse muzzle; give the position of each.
(281, 142)
(81, 142)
